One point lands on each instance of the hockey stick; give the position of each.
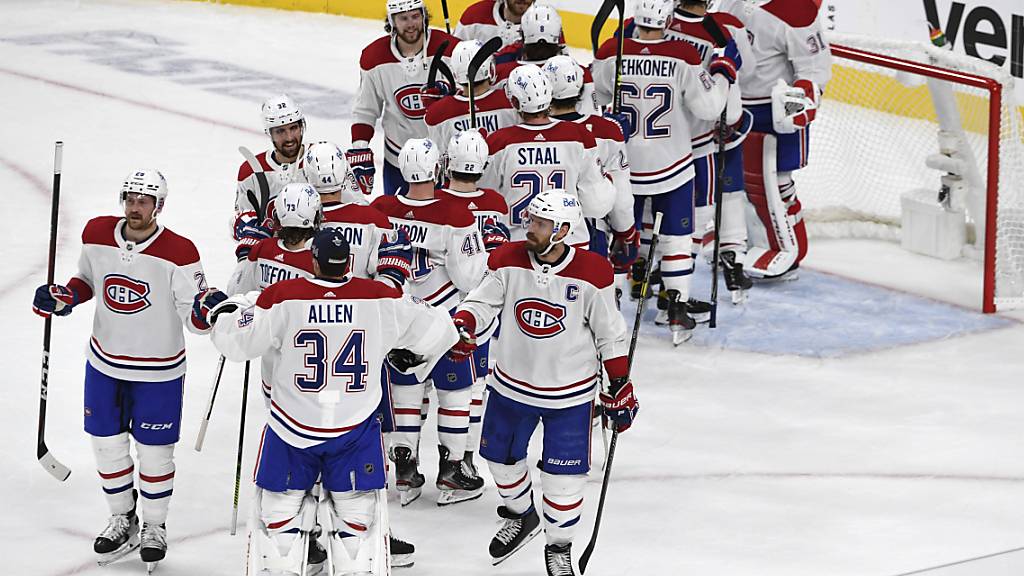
(241, 442)
(585, 557)
(711, 27)
(209, 406)
(447, 20)
(485, 52)
(261, 181)
(595, 37)
(48, 461)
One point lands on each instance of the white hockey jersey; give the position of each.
(327, 341)
(528, 159)
(788, 44)
(664, 87)
(389, 84)
(448, 255)
(451, 114)
(510, 58)
(559, 322)
(364, 227)
(484, 20)
(145, 292)
(611, 151)
(277, 176)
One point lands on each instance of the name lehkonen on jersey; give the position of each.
(330, 313)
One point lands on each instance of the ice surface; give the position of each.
(881, 457)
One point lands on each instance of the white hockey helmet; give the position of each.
(558, 206)
(399, 6)
(565, 76)
(418, 160)
(467, 152)
(326, 169)
(280, 110)
(541, 23)
(653, 13)
(298, 206)
(528, 89)
(463, 54)
(146, 181)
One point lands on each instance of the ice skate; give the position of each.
(401, 553)
(154, 545)
(699, 310)
(516, 530)
(558, 559)
(736, 281)
(408, 479)
(118, 539)
(680, 323)
(454, 483)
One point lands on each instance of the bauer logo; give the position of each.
(125, 295)
(538, 318)
(409, 101)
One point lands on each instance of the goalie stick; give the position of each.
(589, 550)
(46, 459)
(711, 27)
(485, 52)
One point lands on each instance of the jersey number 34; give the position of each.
(349, 363)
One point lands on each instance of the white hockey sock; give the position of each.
(407, 401)
(156, 480)
(514, 485)
(703, 236)
(676, 263)
(353, 513)
(453, 420)
(279, 512)
(734, 222)
(563, 504)
(116, 469)
(476, 414)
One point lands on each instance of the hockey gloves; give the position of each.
(394, 259)
(361, 162)
(726, 61)
(622, 119)
(624, 250)
(619, 404)
(793, 107)
(403, 360)
(249, 232)
(495, 234)
(202, 304)
(54, 299)
(463, 349)
(430, 94)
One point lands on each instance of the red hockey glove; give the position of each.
(463, 349)
(619, 404)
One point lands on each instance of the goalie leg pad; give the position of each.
(116, 469)
(352, 514)
(279, 532)
(453, 420)
(514, 485)
(563, 504)
(156, 480)
(774, 240)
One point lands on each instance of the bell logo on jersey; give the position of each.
(409, 101)
(539, 318)
(125, 295)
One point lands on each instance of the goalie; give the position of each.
(782, 93)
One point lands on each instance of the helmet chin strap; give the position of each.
(552, 242)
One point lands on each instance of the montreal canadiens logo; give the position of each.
(539, 318)
(125, 295)
(409, 102)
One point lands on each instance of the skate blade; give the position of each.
(150, 566)
(739, 297)
(111, 557)
(533, 534)
(449, 497)
(701, 318)
(402, 561)
(409, 496)
(680, 336)
(661, 319)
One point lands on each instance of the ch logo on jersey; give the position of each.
(539, 318)
(125, 295)
(409, 101)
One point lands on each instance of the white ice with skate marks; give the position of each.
(741, 463)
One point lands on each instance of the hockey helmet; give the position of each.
(298, 206)
(528, 89)
(653, 13)
(565, 76)
(462, 55)
(280, 111)
(418, 160)
(467, 152)
(541, 23)
(558, 206)
(146, 181)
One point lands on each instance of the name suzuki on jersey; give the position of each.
(488, 122)
(330, 314)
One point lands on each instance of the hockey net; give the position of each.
(905, 117)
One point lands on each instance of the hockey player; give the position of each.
(782, 93)
(448, 261)
(392, 73)
(541, 154)
(542, 39)
(486, 19)
(557, 308)
(467, 158)
(566, 89)
(284, 122)
(145, 277)
(322, 416)
(451, 114)
(664, 86)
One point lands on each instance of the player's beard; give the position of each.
(517, 7)
(533, 244)
(138, 222)
(411, 35)
(289, 148)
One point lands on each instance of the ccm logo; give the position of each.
(409, 101)
(538, 318)
(125, 295)
(161, 426)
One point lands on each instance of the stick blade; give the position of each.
(51, 465)
(485, 52)
(585, 557)
(599, 19)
